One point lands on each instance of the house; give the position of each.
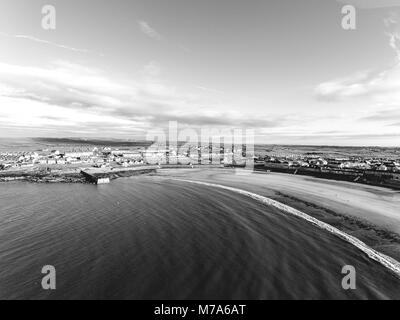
(79, 154)
(382, 167)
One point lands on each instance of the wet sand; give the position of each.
(369, 213)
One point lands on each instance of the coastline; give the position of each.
(372, 178)
(74, 175)
(68, 176)
(385, 260)
(125, 218)
(43, 178)
(376, 235)
(375, 226)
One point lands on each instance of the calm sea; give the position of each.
(150, 237)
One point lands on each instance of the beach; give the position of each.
(156, 236)
(368, 213)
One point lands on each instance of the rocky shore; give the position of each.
(42, 178)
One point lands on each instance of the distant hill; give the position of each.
(93, 142)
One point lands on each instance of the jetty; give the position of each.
(95, 177)
(105, 175)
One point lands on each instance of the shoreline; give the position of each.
(385, 260)
(75, 175)
(38, 178)
(70, 177)
(376, 228)
(372, 234)
(376, 237)
(384, 179)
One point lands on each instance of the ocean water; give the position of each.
(151, 237)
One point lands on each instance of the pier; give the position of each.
(104, 176)
(96, 177)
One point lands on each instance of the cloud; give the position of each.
(387, 114)
(371, 98)
(69, 97)
(149, 31)
(371, 4)
(367, 83)
(206, 89)
(152, 33)
(381, 86)
(54, 44)
(393, 31)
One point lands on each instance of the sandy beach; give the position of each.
(368, 213)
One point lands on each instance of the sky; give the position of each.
(119, 69)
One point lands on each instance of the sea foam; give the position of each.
(385, 260)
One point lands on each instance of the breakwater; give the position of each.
(81, 176)
(104, 176)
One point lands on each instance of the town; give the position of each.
(78, 163)
(370, 169)
(72, 159)
(102, 157)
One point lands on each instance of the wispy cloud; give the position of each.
(393, 31)
(68, 96)
(386, 114)
(359, 84)
(149, 31)
(64, 99)
(206, 89)
(50, 43)
(382, 87)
